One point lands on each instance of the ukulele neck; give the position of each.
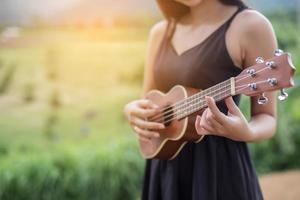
(197, 101)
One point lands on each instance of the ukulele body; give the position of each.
(177, 133)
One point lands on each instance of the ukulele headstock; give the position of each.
(267, 75)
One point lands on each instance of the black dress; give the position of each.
(217, 167)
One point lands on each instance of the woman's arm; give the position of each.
(258, 39)
(251, 35)
(155, 39)
(137, 110)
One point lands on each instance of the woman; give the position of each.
(208, 42)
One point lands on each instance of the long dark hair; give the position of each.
(173, 9)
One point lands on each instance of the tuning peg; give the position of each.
(260, 60)
(262, 99)
(278, 52)
(272, 81)
(252, 86)
(283, 95)
(271, 64)
(251, 72)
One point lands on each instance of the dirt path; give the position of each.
(281, 186)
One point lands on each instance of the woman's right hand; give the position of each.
(137, 112)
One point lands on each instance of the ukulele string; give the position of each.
(202, 95)
(175, 117)
(191, 103)
(203, 103)
(265, 81)
(182, 101)
(249, 75)
(168, 109)
(177, 111)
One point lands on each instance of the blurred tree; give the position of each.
(284, 22)
(298, 14)
(29, 89)
(55, 100)
(52, 63)
(1, 63)
(52, 120)
(7, 78)
(50, 127)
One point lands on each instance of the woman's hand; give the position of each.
(213, 122)
(136, 112)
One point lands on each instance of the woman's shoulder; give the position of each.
(157, 30)
(250, 34)
(252, 23)
(156, 36)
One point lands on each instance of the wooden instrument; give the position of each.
(179, 107)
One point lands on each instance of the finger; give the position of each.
(219, 116)
(203, 124)
(146, 124)
(197, 125)
(208, 130)
(199, 129)
(143, 138)
(146, 133)
(232, 107)
(144, 113)
(211, 121)
(146, 103)
(209, 116)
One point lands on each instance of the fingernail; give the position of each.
(157, 135)
(162, 126)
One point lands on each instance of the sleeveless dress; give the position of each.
(217, 167)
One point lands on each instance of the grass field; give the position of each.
(91, 73)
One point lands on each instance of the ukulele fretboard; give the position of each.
(197, 101)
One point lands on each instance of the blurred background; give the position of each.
(68, 67)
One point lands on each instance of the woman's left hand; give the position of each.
(233, 126)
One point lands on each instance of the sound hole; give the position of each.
(168, 115)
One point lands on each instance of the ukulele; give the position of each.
(179, 107)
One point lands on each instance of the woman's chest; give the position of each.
(200, 67)
(186, 38)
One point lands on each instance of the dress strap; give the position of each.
(168, 33)
(170, 28)
(240, 9)
(171, 23)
